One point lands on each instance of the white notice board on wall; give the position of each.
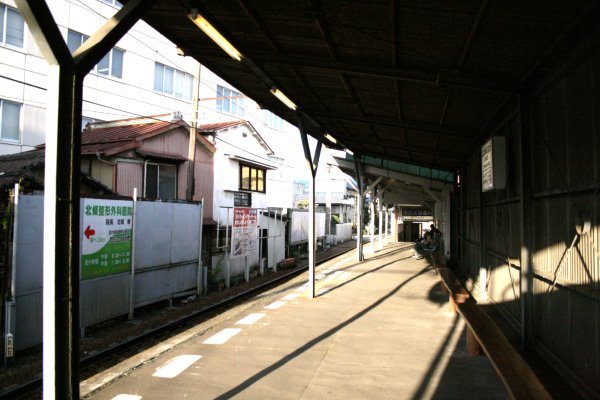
(493, 164)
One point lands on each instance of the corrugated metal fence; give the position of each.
(166, 265)
(565, 223)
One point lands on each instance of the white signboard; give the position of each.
(493, 164)
(244, 235)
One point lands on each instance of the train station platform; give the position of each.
(380, 329)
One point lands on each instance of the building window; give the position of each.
(111, 64)
(242, 199)
(10, 117)
(12, 27)
(272, 120)
(172, 81)
(230, 101)
(252, 178)
(161, 182)
(113, 2)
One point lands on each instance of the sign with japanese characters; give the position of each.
(493, 164)
(106, 237)
(244, 235)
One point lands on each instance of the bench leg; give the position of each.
(443, 288)
(473, 346)
(452, 304)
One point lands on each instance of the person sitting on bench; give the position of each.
(429, 243)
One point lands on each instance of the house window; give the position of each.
(230, 101)
(172, 81)
(10, 116)
(111, 64)
(242, 199)
(12, 27)
(252, 178)
(161, 182)
(272, 120)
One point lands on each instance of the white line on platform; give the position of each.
(301, 289)
(290, 297)
(176, 366)
(323, 291)
(223, 336)
(127, 397)
(320, 276)
(250, 319)
(275, 305)
(332, 276)
(344, 276)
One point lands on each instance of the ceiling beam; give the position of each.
(399, 176)
(440, 78)
(420, 126)
(409, 150)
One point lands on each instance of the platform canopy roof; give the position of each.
(415, 81)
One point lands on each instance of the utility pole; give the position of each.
(189, 191)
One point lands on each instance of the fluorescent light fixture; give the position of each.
(212, 33)
(330, 138)
(283, 98)
(349, 152)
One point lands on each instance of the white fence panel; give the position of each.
(299, 225)
(343, 232)
(166, 248)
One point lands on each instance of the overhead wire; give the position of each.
(209, 84)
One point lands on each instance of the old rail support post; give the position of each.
(313, 164)
(61, 192)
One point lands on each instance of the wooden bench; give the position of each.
(483, 335)
(449, 284)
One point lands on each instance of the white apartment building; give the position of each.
(142, 75)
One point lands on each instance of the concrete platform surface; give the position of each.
(380, 329)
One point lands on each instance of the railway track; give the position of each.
(101, 360)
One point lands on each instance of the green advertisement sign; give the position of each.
(106, 237)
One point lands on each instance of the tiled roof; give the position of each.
(27, 168)
(21, 167)
(15, 163)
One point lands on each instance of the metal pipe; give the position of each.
(387, 216)
(380, 211)
(13, 272)
(132, 272)
(227, 255)
(359, 210)
(311, 236)
(372, 220)
(200, 289)
(11, 300)
(145, 176)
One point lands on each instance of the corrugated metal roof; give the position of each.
(116, 137)
(217, 126)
